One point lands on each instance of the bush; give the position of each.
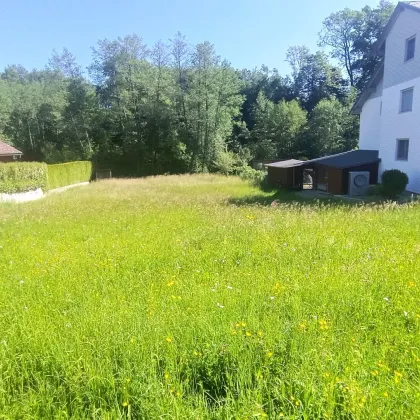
(63, 174)
(19, 177)
(375, 189)
(394, 183)
(256, 178)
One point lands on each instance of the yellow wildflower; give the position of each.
(323, 325)
(375, 372)
(248, 334)
(169, 339)
(260, 333)
(125, 404)
(269, 354)
(386, 395)
(243, 324)
(171, 283)
(166, 376)
(297, 403)
(398, 376)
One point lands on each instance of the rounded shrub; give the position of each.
(394, 183)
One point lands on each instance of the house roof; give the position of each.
(370, 88)
(6, 150)
(401, 6)
(379, 72)
(285, 163)
(347, 159)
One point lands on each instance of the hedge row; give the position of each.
(63, 174)
(19, 177)
(22, 176)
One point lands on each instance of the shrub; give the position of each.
(375, 189)
(19, 177)
(256, 178)
(394, 183)
(63, 174)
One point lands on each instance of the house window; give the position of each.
(410, 48)
(407, 100)
(402, 149)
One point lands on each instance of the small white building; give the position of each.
(389, 107)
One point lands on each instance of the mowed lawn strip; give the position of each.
(177, 296)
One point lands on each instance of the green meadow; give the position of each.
(191, 297)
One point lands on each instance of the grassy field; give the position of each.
(192, 298)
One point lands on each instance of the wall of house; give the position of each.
(400, 75)
(370, 121)
(396, 125)
(397, 71)
(6, 159)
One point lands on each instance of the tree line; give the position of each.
(174, 107)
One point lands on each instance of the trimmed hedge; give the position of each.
(17, 177)
(63, 174)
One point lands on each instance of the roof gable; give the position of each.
(401, 6)
(6, 150)
(370, 88)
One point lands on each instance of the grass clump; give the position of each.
(191, 297)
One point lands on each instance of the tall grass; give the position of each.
(177, 297)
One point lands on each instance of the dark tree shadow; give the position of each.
(277, 198)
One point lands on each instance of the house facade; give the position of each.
(389, 107)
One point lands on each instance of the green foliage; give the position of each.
(278, 128)
(394, 183)
(255, 177)
(331, 129)
(175, 108)
(19, 177)
(179, 297)
(350, 34)
(375, 190)
(63, 174)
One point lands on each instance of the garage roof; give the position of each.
(285, 163)
(347, 159)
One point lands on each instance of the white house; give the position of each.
(389, 107)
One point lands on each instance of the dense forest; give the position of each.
(174, 107)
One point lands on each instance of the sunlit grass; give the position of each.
(179, 297)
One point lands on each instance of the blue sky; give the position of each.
(246, 32)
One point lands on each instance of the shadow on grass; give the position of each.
(275, 198)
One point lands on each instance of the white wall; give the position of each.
(395, 125)
(370, 124)
(396, 69)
